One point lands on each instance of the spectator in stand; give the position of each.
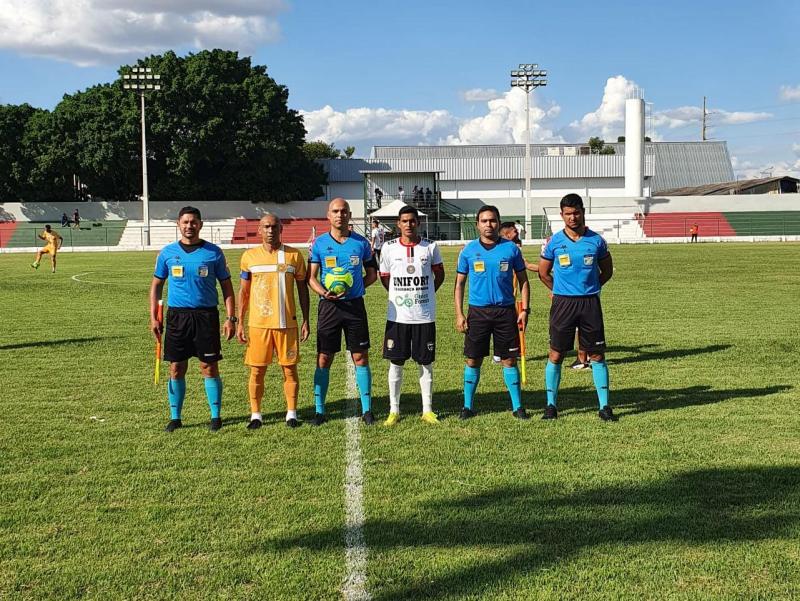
(76, 219)
(401, 194)
(64, 220)
(377, 239)
(428, 197)
(693, 231)
(378, 196)
(415, 195)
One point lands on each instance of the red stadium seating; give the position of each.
(295, 231)
(676, 225)
(6, 231)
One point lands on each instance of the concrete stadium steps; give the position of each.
(612, 226)
(764, 223)
(676, 225)
(163, 232)
(91, 233)
(295, 231)
(6, 232)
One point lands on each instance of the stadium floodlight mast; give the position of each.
(143, 80)
(528, 77)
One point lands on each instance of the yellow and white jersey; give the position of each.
(272, 274)
(51, 238)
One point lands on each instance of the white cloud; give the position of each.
(752, 170)
(384, 126)
(505, 122)
(790, 93)
(691, 115)
(608, 120)
(480, 94)
(88, 32)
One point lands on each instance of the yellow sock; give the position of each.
(291, 385)
(255, 387)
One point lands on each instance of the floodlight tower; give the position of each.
(528, 77)
(142, 79)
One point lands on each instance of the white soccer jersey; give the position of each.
(412, 298)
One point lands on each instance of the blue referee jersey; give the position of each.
(192, 276)
(351, 254)
(490, 272)
(575, 263)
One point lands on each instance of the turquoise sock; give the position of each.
(176, 392)
(552, 380)
(322, 377)
(214, 395)
(600, 376)
(472, 375)
(511, 378)
(364, 381)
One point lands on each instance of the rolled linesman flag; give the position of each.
(522, 347)
(160, 316)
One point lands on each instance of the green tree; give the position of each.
(318, 149)
(596, 145)
(220, 128)
(349, 151)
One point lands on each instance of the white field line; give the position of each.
(77, 278)
(355, 583)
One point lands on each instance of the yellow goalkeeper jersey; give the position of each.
(272, 274)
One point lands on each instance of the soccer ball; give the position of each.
(338, 280)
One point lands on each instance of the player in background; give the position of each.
(377, 238)
(489, 264)
(575, 265)
(342, 247)
(53, 244)
(411, 269)
(269, 274)
(192, 267)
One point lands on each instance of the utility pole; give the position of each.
(703, 128)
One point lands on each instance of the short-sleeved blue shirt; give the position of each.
(192, 276)
(575, 263)
(351, 254)
(490, 272)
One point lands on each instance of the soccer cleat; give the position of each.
(520, 413)
(392, 420)
(292, 423)
(466, 413)
(430, 418)
(215, 424)
(550, 412)
(368, 418)
(578, 364)
(318, 419)
(254, 424)
(173, 425)
(606, 414)
(35, 265)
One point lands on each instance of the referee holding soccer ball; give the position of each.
(332, 253)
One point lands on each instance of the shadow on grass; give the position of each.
(59, 342)
(631, 401)
(540, 527)
(647, 352)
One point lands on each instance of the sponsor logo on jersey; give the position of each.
(410, 269)
(503, 265)
(177, 271)
(479, 266)
(330, 262)
(202, 271)
(355, 260)
(564, 260)
(588, 259)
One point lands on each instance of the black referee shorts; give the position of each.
(485, 323)
(410, 340)
(192, 333)
(582, 312)
(335, 317)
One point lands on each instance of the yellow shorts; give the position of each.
(264, 342)
(49, 250)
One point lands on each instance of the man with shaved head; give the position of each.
(269, 274)
(342, 248)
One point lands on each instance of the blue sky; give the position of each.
(369, 73)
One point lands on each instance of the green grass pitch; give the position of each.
(693, 494)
